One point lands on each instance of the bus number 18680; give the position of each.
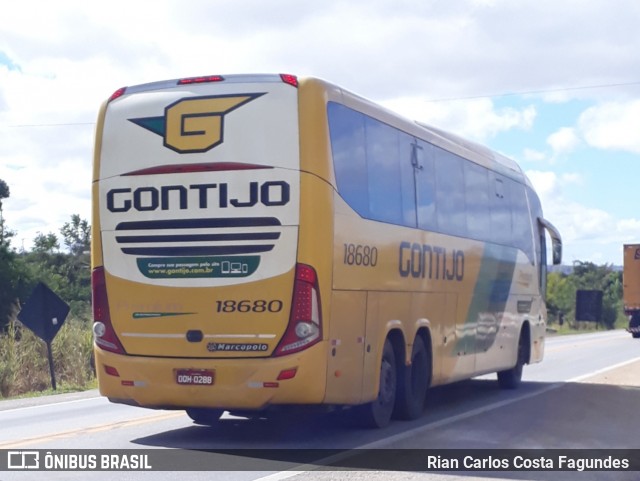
(359, 255)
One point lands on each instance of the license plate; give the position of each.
(195, 377)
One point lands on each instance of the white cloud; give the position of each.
(563, 141)
(588, 233)
(612, 125)
(572, 178)
(477, 119)
(532, 155)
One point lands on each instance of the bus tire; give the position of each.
(511, 378)
(377, 414)
(413, 383)
(205, 416)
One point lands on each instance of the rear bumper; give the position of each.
(238, 383)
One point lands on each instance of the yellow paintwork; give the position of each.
(199, 304)
(238, 382)
(96, 238)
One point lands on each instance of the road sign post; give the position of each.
(44, 313)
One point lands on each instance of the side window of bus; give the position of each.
(407, 179)
(476, 180)
(539, 238)
(450, 195)
(383, 168)
(372, 163)
(521, 220)
(425, 186)
(500, 210)
(347, 131)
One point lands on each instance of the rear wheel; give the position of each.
(205, 416)
(377, 414)
(413, 383)
(511, 378)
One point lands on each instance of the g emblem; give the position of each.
(194, 124)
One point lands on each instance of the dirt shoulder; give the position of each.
(625, 375)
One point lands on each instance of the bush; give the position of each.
(24, 366)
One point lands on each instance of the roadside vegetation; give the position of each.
(62, 263)
(561, 297)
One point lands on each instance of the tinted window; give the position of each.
(425, 186)
(500, 210)
(407, 179)
(476, 181)
(346, 128)
(450, 210)
(539, 238)
(372, 163)
(385, 201)
(387, 175)
(520, 219)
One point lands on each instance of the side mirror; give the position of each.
(556, 240)
(557, 251)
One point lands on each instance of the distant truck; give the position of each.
(631, 286)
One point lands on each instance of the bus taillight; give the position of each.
(289, 79)
(200, 80)
(103, 332)
(117, 94)
(305, 322)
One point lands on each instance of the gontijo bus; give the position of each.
(262, 241)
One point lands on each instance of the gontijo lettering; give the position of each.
(202, 196)
(430, 262)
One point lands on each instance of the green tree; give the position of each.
(5, 234)
(46, 243)
(66, 273)
(15, 283)
(13, 278)
(4, 191)
(561, 295)
(77, 235)
(74, 268)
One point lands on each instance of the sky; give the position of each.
(553, 84)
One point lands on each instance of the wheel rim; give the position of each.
(387, 385)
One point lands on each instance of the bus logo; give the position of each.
(194, 124)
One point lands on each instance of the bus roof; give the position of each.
(471, 150)
(468, 149)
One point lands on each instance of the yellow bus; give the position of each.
(267, 241)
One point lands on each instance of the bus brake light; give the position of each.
(200, 80)
(103, 331)
(117, 94)
(289, 79)
(305, 322)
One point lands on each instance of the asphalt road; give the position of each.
(584, 395)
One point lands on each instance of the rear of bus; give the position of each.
(206, 288)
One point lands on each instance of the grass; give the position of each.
(62, 388)
(574, 327)
(24, 365)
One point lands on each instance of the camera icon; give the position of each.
(23, 460)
